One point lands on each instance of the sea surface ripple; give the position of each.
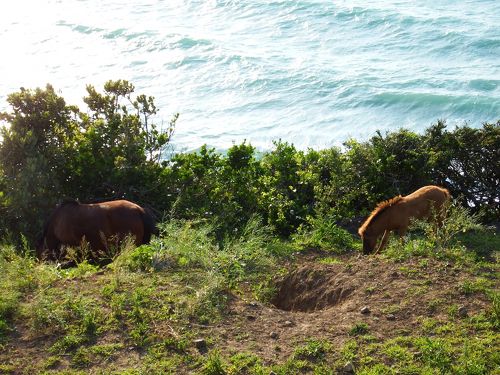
(311, 72)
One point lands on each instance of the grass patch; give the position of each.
(153, 301)
(359, 329)
(312, 350)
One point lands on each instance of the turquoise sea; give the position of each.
(312, 72)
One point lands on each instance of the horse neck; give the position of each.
(377, 226)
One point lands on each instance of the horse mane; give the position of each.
(381, 207)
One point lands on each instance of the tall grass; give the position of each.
(19, 274)
(209, 269)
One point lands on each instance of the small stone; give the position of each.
(390, 317)
(253, 304)
(365, 310)
(201, 345)
(462, 312)
(288, 323)
(273, 335)
(348, 368)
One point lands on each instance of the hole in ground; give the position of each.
(309, 289)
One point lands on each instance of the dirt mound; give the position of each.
(311, 288)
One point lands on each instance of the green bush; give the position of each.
(286, 196)
(324, 234)
(466, 161)
(50, 150)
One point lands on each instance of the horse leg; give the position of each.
(402, 233)
(383, 241)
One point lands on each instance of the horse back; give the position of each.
(72, 223)
(124, 218)
(421, 201)
(429, 193)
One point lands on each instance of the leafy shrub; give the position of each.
(287, 195)
(50, 150)
(324, 234)
(466, 161)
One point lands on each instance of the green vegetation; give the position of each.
(50, 150)
(197, 299)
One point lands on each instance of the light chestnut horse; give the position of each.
(395, 215)
(99, 224)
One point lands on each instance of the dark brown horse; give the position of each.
(395, 215)
(99, 224)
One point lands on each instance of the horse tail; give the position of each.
(447, 194)
(40, 240)
(149, 223)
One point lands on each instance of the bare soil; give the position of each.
(322, 301)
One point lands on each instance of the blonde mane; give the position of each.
(381, 207)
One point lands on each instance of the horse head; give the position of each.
(369, 243)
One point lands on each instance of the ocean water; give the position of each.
(311, 72)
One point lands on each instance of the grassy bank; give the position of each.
(253, 304)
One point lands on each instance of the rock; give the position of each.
(253, 304)
(201, 345)
(390, 317)
(288, 323)
(273, 335)
(462, 312)
(365, 310)
(348, 368)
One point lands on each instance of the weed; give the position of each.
(370, 290)
(495, 308)
(359, 329)
(436, 353)
(52, 361)
(82, 269)
(391, 309)
(452, 310)
(243, 363)
(330, 260)
(433, 304)
(214, 365)
(312, 350)
(469, 287)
